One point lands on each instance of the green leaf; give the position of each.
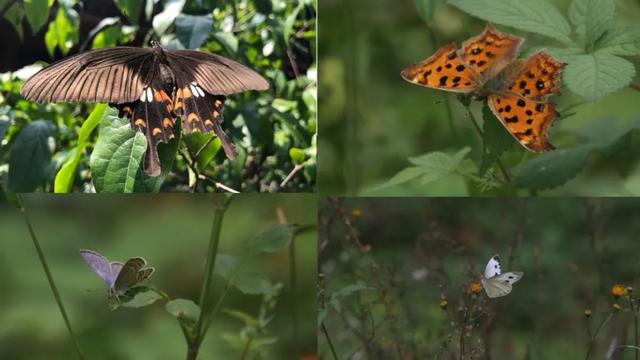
(298, 156)
(496, 139)
(246, 318)
(5, 121)
(596, 75)
(62, 31)
(591, 18)
(186, 311)
(37, 12)
(117, 155)
(271, 240)
(244, 278)
(167, 154)
(162, 21)
(142, 299)
(437, 165)
(228, 40)
(14, 15)
(553, 169)
(287, 27)
(195, 141)
(64, 178)
(621, 41)
(405, 175)
(535, 16)
(30, 156)
(192, 30)
(426, 9)
(131, 9)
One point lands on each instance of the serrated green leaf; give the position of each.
(535, 16)
(117, 155)
(37, 12)
(496, 139)
(271, 240)
(564, 55)
(30, 156)
(192, 30)
(553, 169)
(596, 75)
(621, 41)
(64, 177)
(405, 175)
(426, 9)
(246, 318)
(186, 311)
(591, 18)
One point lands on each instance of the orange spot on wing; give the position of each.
(156, 131)
(186, 93)
(215, 114)
(166, 122)
(192, 117)
(218, 103)
(208, 122)
(140, 122)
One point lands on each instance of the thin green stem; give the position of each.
(326, 335)
(206, 291)
(294, 292)
(245, 350)
(595, 334)
(47, 272)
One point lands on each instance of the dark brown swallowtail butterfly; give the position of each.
(151, 87)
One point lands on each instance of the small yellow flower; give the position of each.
(474, 288)
(587, 312)
(618, 290)
(616, 307)
(356, 213)
(443, 304)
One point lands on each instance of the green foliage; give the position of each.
(30, 156)
(274, 131)
(596, 75)
(186, 311)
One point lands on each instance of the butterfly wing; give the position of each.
(445, 70)
(493, 267)
(116, 266)
(128, 276)
(145, 273)
(100, 265)
(502, 284)
(489, 52)
(523, 107)
(113, 75)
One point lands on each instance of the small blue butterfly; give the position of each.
(118, 276)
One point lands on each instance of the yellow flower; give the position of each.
(356, 213)
(618, 290)
(587, 312)
(474, 288)
(616, 307)
(443, 304)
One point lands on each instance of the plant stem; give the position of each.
(507, 177)
(205, 292)
(47, 272)
(245, 350)
(326, 335)
(595, 334)
(293, 287)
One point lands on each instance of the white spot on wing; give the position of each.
(199, 90)
(194, 90)
(149, 95)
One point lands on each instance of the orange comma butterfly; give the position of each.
(486, 67)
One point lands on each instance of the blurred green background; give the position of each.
(411, 253)
(172, 233)
(373, 121)
(274, 130)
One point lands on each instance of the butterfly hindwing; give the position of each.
(202, 112)
(128, 276)
(445, 70)
(525, 119)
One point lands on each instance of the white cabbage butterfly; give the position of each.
(494, 282)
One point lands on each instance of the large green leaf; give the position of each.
(621, 41)
(37, 12)
(162, 21)
(596, 75)
(496, 139)
(553, 169)
(117, 155)
(591, 18)
(192, 30)
(535, 16)
(271, 240)
(30, 156)
(64, 178)
(131, 9)
(243, 276)
(186, 311)
(195, 142)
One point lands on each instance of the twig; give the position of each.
(47, 272)
(595, 334)
(245, 351)
(295, 169)
(326, 335)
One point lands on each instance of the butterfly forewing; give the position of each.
(539, 77)
(100, 265)
(493, 267)
(490, 51)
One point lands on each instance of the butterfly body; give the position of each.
(496, 283)
(119, 277)
(152, 87)
(486, 67)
